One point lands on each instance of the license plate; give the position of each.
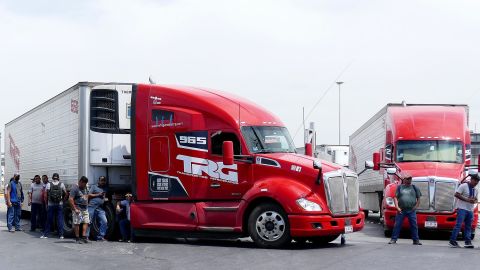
(349, 229)
(431, 224)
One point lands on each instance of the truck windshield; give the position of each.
(430, 151)
(262, 139)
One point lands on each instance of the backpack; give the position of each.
(55, 194)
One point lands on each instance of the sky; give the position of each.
(282, 54)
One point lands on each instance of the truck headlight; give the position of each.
(308, 205)
(390, 202)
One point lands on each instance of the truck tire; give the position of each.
(323, 240)
(110, 214)
(67, 220)
(387, 232)
(268, 226)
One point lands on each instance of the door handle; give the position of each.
(215, 185)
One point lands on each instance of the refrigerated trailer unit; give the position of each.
(428, 141)
(198, 162)
(83, 131)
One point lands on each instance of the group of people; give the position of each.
(46, 199)
(407, 200)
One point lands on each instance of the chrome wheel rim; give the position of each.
(270, 226)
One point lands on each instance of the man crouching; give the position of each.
(79, 201)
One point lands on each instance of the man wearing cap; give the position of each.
(466, 198)
(407, 199)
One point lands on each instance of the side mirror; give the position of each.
(391, 171)
(227, 148)
(308, 150)
(369, 164)
(376, 161)
(317, 164)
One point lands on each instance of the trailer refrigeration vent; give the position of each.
(103, 113)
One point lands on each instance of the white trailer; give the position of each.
(83, 131)
(368, 139)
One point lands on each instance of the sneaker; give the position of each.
(19, 230)
(101, 239)
(11, 230)
(392, 242)
(453, 244)
(417, 243)
(468, 245)
(77, 241)
(120, 240)
(61, 237)
(85, 240)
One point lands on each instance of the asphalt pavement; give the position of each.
(367, 249)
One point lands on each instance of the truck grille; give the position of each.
(437, 194)
(425, 199)
(342, 192)
(444, 196)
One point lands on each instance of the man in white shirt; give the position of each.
(466, 198)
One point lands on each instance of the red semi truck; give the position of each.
(199, 163)
(429, 142)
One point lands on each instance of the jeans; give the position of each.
(54, 211)
(97, 212)
(36, 211)
(43, 216)
(467, 216)
(124, 225)
(412, 220)
(13, 216)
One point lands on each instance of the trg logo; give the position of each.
(215, 170)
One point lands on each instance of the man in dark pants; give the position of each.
(56, 192)
(43, 212)
(467, 197)
(407, 199)
(14, 199)
(35, 200)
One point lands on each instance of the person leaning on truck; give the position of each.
(14, 199)
(35, 200)
(79, 201)
(56, 192)
(407, 199)
(97, 199)
(466, 197)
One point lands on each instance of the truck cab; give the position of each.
(211, 163)
(432, 144)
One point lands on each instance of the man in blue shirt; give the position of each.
(95, 211)
(14, 198)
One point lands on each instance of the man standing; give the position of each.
(43, 210)
(14, 198)
(407, 199)
(56, 192)
(35, 200)
(79, 202)
(466, 198)
(123, 212)
(97, 199)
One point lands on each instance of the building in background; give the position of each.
(475, 147)
(334, 153)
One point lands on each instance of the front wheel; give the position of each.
(268, 226)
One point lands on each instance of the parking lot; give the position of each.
(367, 249)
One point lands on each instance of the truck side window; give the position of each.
(218, 139)
(161, 118)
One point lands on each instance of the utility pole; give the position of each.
(339, 119)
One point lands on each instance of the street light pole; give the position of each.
(339, 119)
